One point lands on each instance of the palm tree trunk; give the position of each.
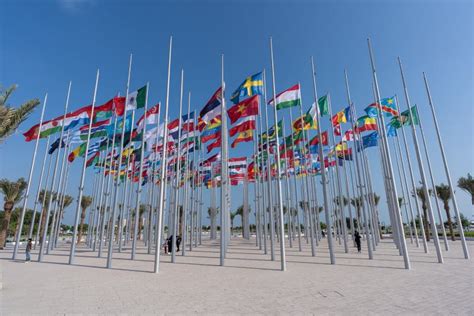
(140, 220)
(42, 223)
(425, 222)
(81, 226)
(450, 222)
(5, 223)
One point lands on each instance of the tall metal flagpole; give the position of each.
(58, 192)
(101, 195)
(83, 175)
(164, 152)
(389, 161)
(53, 181)
(280, 198)
(30, 177)
(338, 183)
(446, 169)
(117, 179)
(323, 169)
(422, 170)
(269, 179)
(43, 202)
(32, 225)
(413, 185)
(175, 223)
(433, 183)
(223, 167)
(139, 186)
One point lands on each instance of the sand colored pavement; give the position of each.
(250, 283)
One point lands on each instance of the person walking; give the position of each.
(357, 240)
(29, 245)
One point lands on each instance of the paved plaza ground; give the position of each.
(250, 283)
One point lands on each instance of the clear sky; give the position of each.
(44, 44)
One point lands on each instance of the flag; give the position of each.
(150, 117)
(315, 140)
(245, 108)
(366, 123)
(323, 105)
(252, 85)
(348, 136)
(246, 124)
(288, 98)
(369, 140)
(187, 122)
(69, 121)
(337, 130)
(246, 136)
(387, 105)
(237, 162)
(215, 144)
(92, 161)
(120, 126)
(339, 117)
(55, 145)
(212, 107)
(271, 132)
(307, 120)
(211, 159)
(209, 134)
(136, 99)
(404, 118)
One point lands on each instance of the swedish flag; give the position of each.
(252, 85)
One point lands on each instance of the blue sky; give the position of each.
(44, 44)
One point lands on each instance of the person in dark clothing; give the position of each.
(178, 242)
(29, 245)
(170, 243)
(357, 240)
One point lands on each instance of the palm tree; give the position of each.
(141, 212)
(12, 194)
(86, 201)
(212, 212)
(357, 203)
(421, 195)
(444, 194)
(11, 118)
(43, 198)
(467, 184)
(232, 217)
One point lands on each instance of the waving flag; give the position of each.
(369, 140)
(215, 144)
(211, 159)
(150, 117)
(315, 140)
(187, 124)
(288, 98)
(245, 108)
(246, 136)
(246, 124)
(340, 117)
(209, 134)
(387, 105)
(136, 99)
(271, 133)
(366, 123)
(212, 107)
(404, 118)
(252, 85)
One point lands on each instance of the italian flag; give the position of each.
(288, 98)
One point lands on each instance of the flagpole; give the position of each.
(261, 170)
(30, 177)
(184, 229)
(446, 169)
(338, 183)
(61, 206)
(269, 177)
(45, 231)
(176, 217)
(223, 167)
(389, 161)
(280, 199)
(98, 205)
(43, 201)
(156, 268)
(56, 201)
(108, 188)
(323, 169)
(421, 169)
(287, 185)
(413, 185)
(139, 186)
(83, 175)
(30, 233)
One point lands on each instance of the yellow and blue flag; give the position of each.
(252, 85)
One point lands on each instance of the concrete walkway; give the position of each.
(249, 283)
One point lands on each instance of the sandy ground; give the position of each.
(250, 283)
